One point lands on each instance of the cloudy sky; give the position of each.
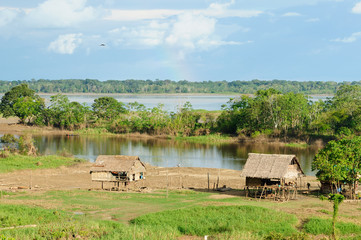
(195, 40)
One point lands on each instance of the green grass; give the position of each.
(207, 139)
(19, 162)
(93, 131)
(318, 226)
(129, 215)
(215, 220)
(324, 211)
(297, 145)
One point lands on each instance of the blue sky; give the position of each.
(195, 40)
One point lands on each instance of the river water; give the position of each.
(165, 153)
(169, 153)
(171, 102)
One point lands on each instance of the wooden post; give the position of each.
(217, 182)
(264, 187)
(102, 185)
(208, 180)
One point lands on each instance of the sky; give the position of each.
(194, 40)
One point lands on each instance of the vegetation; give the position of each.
(339, 162)
(212, 220)
(318, 226)
(14, 162)
(23, 145)
(22, 102)
(269, 113)
(168, 86)
(78, 214)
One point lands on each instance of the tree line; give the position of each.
(132, 86)
(269, 113)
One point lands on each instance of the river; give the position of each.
(171, 102)
(169, 153)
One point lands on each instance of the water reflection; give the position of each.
(160, 152)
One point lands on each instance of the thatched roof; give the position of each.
(268, 165)
(114, 163)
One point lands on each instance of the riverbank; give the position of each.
(11, 126)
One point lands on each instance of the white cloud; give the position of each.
(7, 15)
(350, 39)
(357, 8)
(150, 35)
(313, 20)
(292, 14)
(218, 10)
(60, 13)
(191, 29)
(136, 15)
(185, 32)
(66, 44)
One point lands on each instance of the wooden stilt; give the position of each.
(208, 180)
(217, 182)
(264, 187)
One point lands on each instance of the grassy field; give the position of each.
(20, 162)
(120, 215)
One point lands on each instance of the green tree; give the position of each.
(107, 108)
(339, 162)
(11, 97)
(26, 108)
(65, 114)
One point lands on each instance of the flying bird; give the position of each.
(102, 45)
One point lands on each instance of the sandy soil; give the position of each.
(78, 177)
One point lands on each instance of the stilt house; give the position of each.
(271, 169)
(117, 168)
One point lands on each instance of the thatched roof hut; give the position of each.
(113, 168)
(268, 168)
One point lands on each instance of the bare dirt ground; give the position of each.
(78, 177)
(11, 125)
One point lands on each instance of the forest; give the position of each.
(132, 86)
(269, 113)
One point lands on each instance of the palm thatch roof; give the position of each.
(269, 166)
(114, 163)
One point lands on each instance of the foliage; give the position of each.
(168, 86)
(339, 162)
(107, 108)
(269, 109)
(269, 113)
(22, 102)
(9, 142)
(65, 114)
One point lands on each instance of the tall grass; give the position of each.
(214, 220)
(19, 162)
(208, 139)
(318, 226)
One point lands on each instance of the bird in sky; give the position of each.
(102, 45)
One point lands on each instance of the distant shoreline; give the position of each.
(164, 94)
